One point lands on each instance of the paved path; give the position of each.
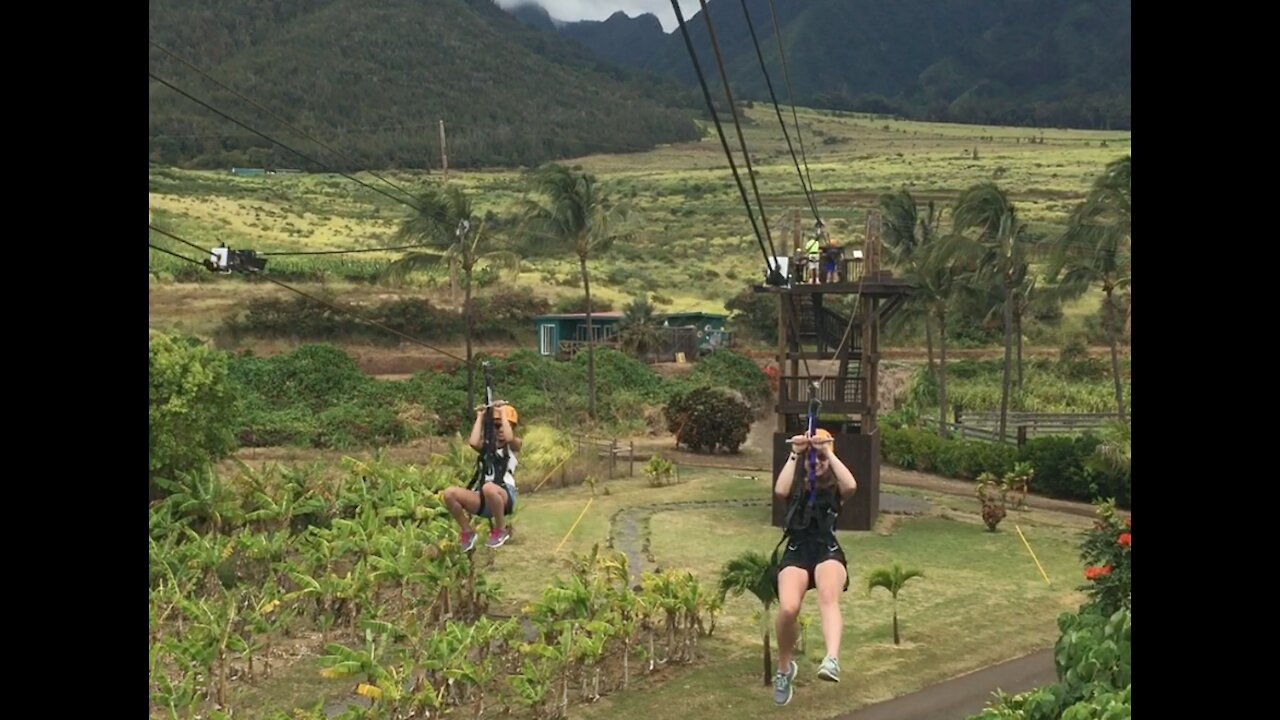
(966, 695)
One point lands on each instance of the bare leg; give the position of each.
(495, 499)
(829, 578)
(792, 584)
(462, 503)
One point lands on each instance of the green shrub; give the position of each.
(578, 304)
(192, 407)
(706, 419)
(728, 369)
(616, 371)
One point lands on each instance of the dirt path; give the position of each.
(629, 528)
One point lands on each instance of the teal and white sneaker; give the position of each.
(829, 669)
(782, 688)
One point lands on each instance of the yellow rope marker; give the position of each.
(548, 476)
(1033, 555)
(575, 524)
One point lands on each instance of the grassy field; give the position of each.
(982, 599)
(694, 247)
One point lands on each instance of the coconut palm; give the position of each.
(442, 223)
(892, 579)
(574, 210)
(752, 572)
(1096, 250)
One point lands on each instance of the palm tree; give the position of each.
(999, 245)
(908, 236)
(892, 579)
(639, 331)
(575, 211)
(442, 224)
(934, 279)
(1097, 249)
(752, 572)
(914, 243)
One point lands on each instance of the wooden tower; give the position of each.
(842, 354)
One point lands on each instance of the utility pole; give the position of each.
(444, 153)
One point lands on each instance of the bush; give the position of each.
(658, 470)
(1094, 652)
(1107, 553)
(315, 376)
(578, 304)
(317, 396)
(925, 451)
(309, 320)
(1094, 660)
(617, 371)
(192, 406)
(1065, 466)
(754, 314)
(725, 368)
(507, 314)
(706, 418)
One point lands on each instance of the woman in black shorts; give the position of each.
(813, 558)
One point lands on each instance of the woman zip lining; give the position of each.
(813, 558)
(492, 490)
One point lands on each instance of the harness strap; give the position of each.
(483, 464)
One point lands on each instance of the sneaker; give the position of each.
(782, 685)
(467, 540)
(497, 537)
(830, 669)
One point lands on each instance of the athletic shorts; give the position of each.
(807, 553)
(511, 503)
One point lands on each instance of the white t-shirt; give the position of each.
(509, 478)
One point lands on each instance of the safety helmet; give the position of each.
(822, 433)
(509, 411)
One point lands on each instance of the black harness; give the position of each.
(491, 463)
(811, 513)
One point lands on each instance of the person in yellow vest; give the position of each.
(813, 253)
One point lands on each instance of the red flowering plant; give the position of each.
(1107, 553)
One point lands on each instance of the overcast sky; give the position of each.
(601, 9)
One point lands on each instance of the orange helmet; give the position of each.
(822, 433)
(509, 411)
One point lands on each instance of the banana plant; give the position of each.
(589, 650)
(534, 682)
(342, 661)
(181, 697)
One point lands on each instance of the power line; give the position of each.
(777, 33)
(733, 112)
(770, 263)
(808, 193)
(184, 242)
(270, 139)
(344, 252)
(313, 298)
(170, 252)
(284, 122)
